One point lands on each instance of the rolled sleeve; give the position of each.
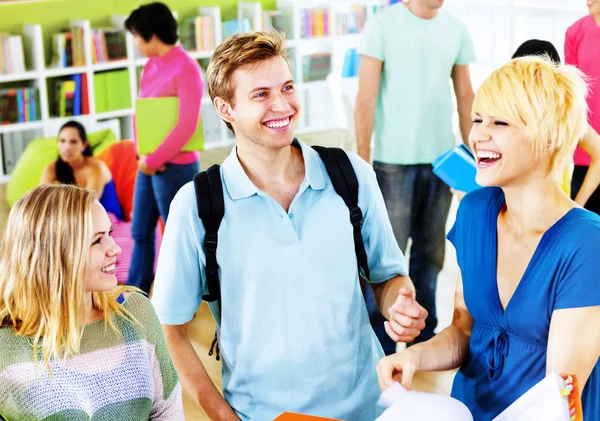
(180, 276)
(383, 254)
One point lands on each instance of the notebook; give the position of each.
(457, 168)
(555, 398)
(154, 120)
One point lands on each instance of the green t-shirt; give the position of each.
(413, 120)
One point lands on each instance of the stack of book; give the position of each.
(70, 96)
(316, 67)
(68, 49)
(198, 33)
(353, 21)
(237, 26)
(314, 22)
(112, 91)
(12, 59)
(274, 20)
(108, 45)
(19, 105)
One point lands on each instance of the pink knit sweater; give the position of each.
(582, 49)
(174, 74)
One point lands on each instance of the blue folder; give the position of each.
(457, 168)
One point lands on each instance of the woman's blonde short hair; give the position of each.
(547, 99)
(238, 51)
(43, 270)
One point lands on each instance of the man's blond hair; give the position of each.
(547, 99)
(239, 51)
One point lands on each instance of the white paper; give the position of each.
(412, 405)
(543, 401)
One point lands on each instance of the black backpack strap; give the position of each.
(211, 208)
(342, 175)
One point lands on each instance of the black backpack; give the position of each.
(211, 208)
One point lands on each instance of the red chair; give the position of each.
(121, 160)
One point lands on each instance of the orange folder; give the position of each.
(289, 416)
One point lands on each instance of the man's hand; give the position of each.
(407, 318)
(146, 170)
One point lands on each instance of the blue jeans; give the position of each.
(152, 198)
(417, 203)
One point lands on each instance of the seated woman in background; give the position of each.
(74, 345)
(76, 165)
(527, 299)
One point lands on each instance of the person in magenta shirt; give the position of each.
(169, 72)
(582, 49)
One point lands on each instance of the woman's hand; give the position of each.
(146, 170)
(399, 367)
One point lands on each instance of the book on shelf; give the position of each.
(198, 33)
(12, 59)
(70, 96)
(316, 67)
(108, 44)
(352, 21)
(275, 20)
(112, 91)
(253, 11)
(236, 26)
(314, 22)
(457, 168)
(68, 48)
(154, 120)
(20, 105)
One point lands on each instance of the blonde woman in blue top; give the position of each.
(527, 298)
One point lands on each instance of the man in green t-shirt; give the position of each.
(409, 52)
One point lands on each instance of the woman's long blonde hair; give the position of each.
(43, 270)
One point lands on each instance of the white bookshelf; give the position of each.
(40, 75)
(314, 95)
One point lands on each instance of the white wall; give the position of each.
(498, 27)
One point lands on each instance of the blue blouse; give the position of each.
(110, 201)
(507, 349)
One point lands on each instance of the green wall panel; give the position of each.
(56, 14)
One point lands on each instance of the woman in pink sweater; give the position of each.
(169, 72)
(582, 49)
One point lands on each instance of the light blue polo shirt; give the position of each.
(413, 119)
(294, 333)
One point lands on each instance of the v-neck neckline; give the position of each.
(538, 251)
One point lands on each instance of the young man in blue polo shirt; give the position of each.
(294, 331)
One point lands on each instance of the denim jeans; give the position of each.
(152, 198)
(593, 203)
(417, 203)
